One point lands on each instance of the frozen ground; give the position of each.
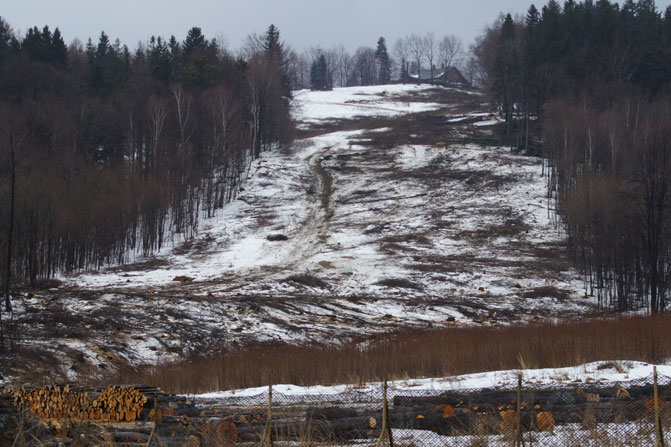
(357, 102)
(387, 212)
(602, 373)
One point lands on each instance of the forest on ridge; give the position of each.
(597, 75)
(108, 153)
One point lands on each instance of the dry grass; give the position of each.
(400, 283)
(428, 353)
(308, 280)
(408, 238)
(548, 291)
(152, 263)
(509, 229)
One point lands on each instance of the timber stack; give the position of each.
(54, 402)
(128, 415)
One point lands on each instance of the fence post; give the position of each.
(659, 434)
(386, 425)
(155, 428)
(387, 417)
(269, 427)
(518, 428)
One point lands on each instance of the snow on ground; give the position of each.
(231, 240)
(625, 375)
(350, 102)
(407, 224)
(604, 373)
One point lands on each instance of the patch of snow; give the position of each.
(488, 123)
(604, 373)
(349, 102)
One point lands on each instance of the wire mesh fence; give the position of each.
(520, 414)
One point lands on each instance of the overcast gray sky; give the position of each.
(302, 23)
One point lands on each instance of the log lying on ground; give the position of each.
(452, 411)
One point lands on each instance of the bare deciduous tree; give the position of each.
(483, 52)
(252, 45)
(450, 50)
(158, 112)
(364, 68)
(400, 51)
(416, 47)
(300, 72)
(343, 63)
(331, 57)
(430, 51)
(183, 108)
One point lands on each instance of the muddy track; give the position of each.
(326, 182)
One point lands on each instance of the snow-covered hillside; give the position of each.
(388, 211)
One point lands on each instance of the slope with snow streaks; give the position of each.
(364, 225)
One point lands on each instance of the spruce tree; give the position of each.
(383, 62)
(159, 59)
(175, 59)
(5, 37)
(531, 55)
(667, 24)
(505, 70)
(33, 44)
(274, 49)
(194, 41)
(271, 41)
(319, 74)
(58, 51)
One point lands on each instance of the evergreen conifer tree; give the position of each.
(271, 41)
(5, 37)
(383, 62)
(58, 50)
(175, 55)
(319, 74)
(505, 70)
(194, 41)
(274, 50)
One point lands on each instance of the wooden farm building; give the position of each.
(449, 76)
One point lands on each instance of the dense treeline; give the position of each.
(106, 152)
(596, 48)
(612, 178)
(597, 74)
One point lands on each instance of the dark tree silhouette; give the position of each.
(109, 154)
(383, 62)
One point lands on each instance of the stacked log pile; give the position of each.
(114, 404)
(128, 415)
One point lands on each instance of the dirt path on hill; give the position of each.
(364, 226)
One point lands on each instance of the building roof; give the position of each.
(425, 74)
(449, 75)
